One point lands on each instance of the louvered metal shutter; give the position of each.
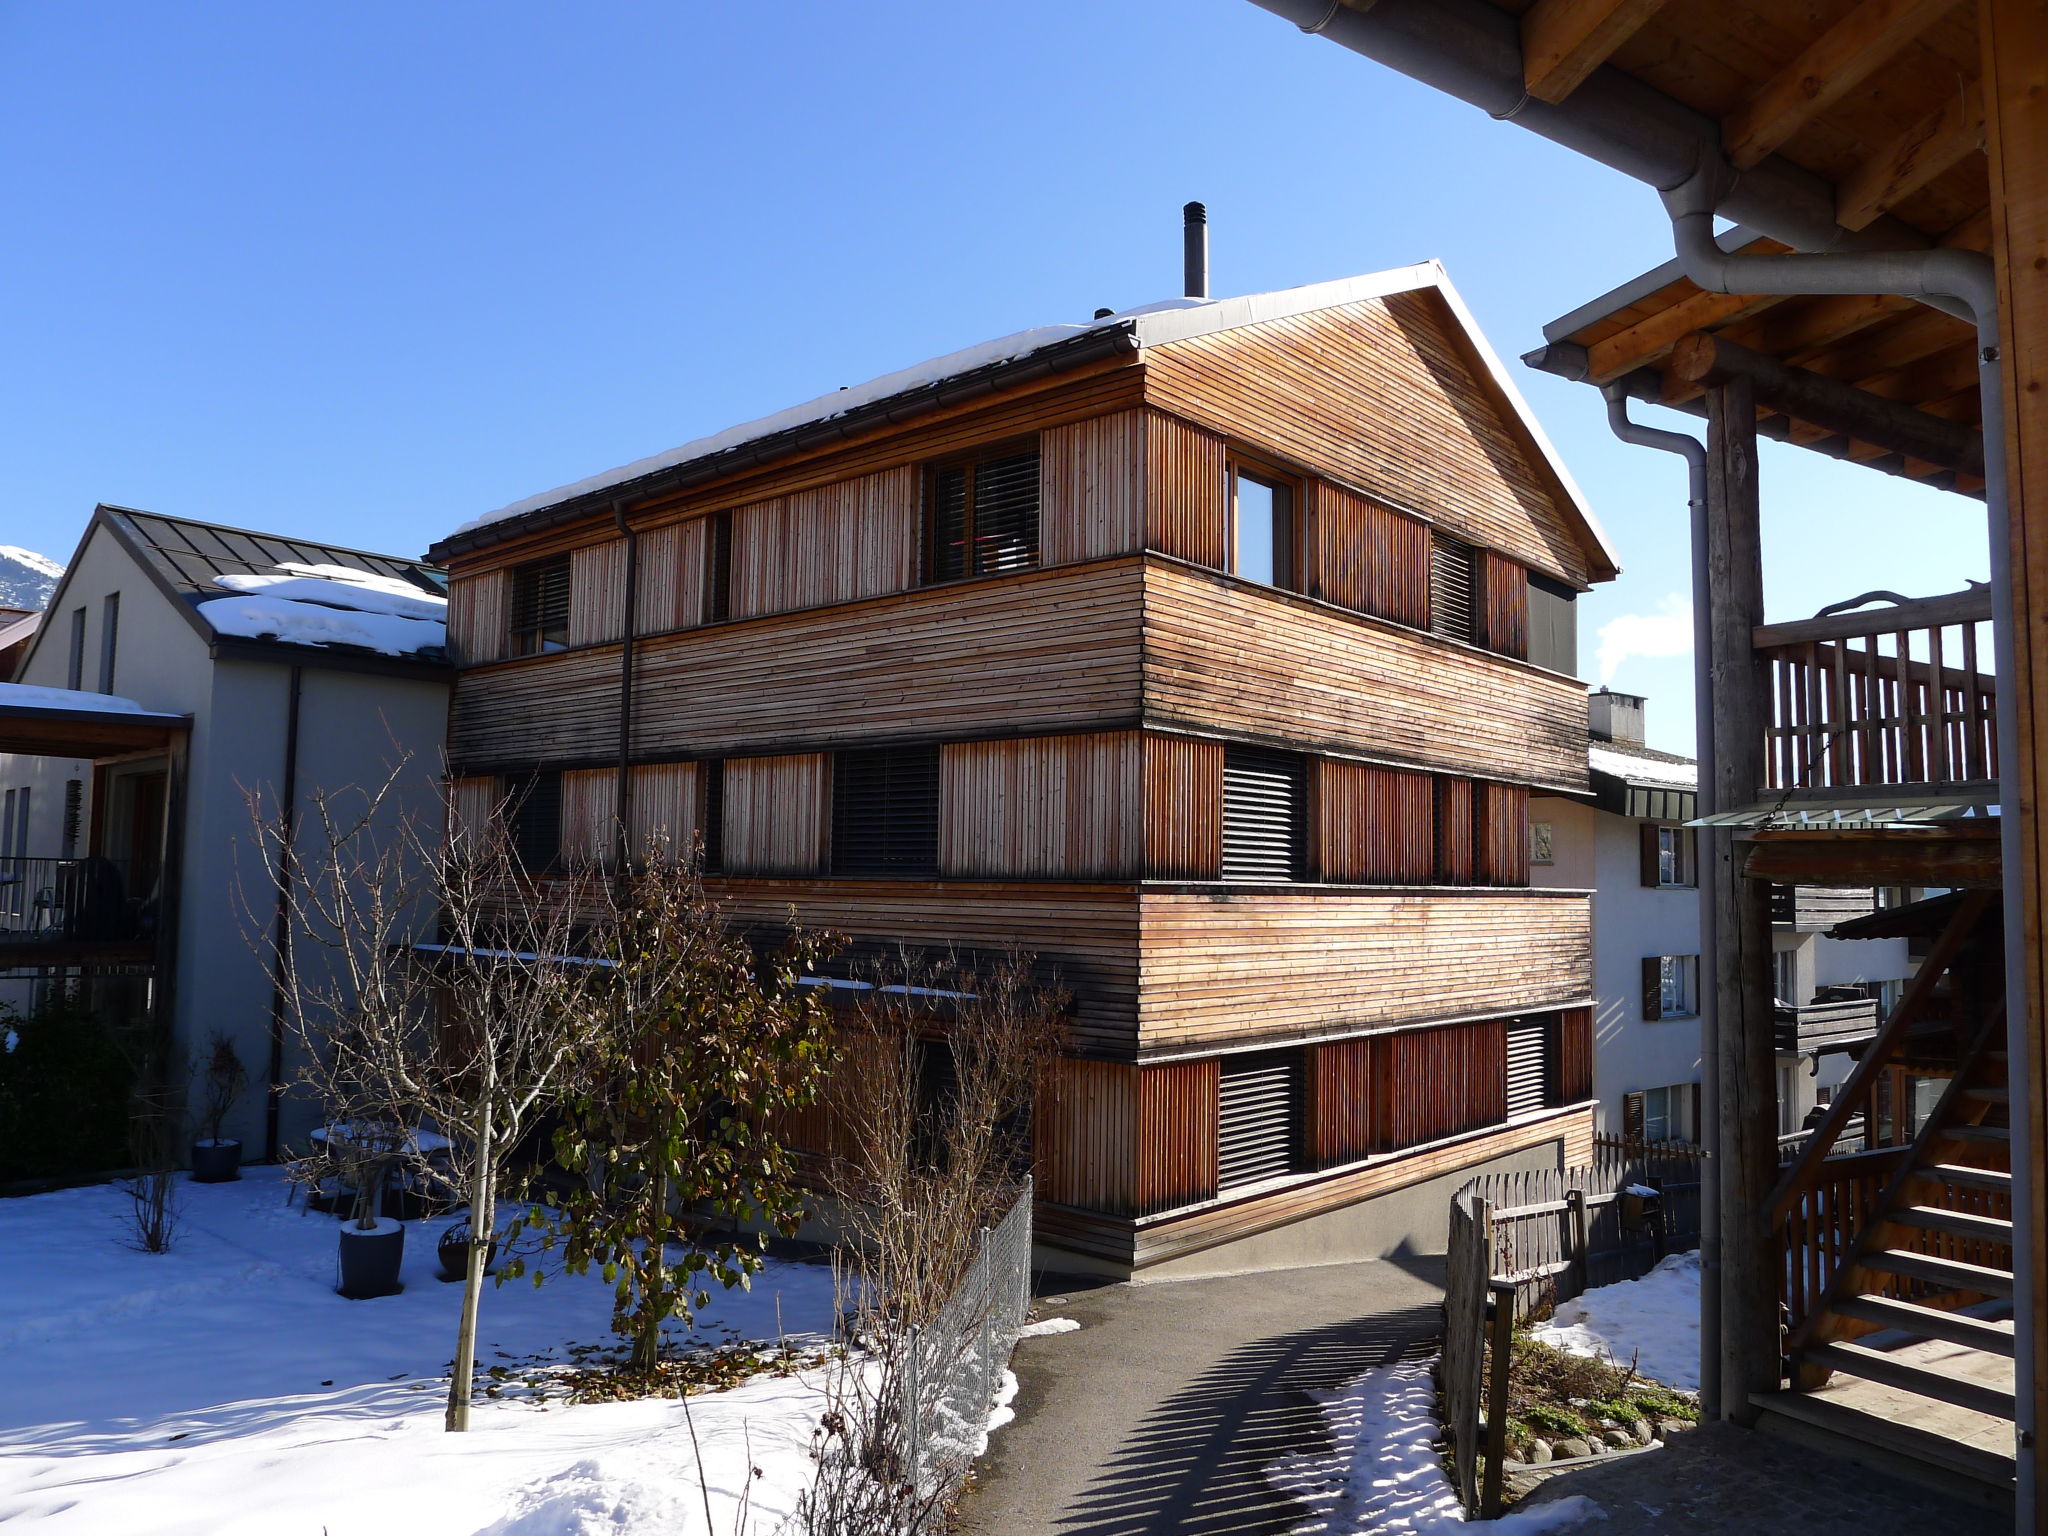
(1258, 1118)
(1006, 514)
(1265, 814)
(536, 819)
(1532, 1065)
(1452, 571)
(885, 811)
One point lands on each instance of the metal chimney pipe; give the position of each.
(1195, 249)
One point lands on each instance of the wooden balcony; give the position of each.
(1825, 1026)
(73, 911)
(1817, 908)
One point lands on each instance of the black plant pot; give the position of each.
(453, 1252)
(216, 1162)
(370, 1260)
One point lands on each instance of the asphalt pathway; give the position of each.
(1161, 1412)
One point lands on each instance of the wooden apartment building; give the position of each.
(1210, 652)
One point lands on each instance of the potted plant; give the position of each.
(216, 1159)
(372, 1245)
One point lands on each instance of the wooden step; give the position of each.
(1987, 1133)
(1966, 1178)
(1931, 1218)
(1952, 1273)
(1876, 1365)
(1899, 1448)
(1928, 1322)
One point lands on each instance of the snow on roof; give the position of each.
(32, 696)
(1643, 770)
(42, 565)
(1149, 325)
(330, 605)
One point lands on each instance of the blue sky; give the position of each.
(361, 272)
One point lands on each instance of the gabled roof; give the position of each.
(1016, 359)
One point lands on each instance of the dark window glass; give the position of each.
(1259, 1117)
(1453, 578)
(714, 816)
(75, 672)
(982, 518)
(1265, 814)
(885, 811)
(540, 608)
(534, 804)
(718, 567)
(110, 631)
(1261, 529)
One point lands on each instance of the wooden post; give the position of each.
(2013, 39)
(1500, 1339)
(1746, 1132)
(1575, 1214)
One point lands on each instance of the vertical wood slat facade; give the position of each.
(1455, 858)
(1092, 488)
(1177, 1118)
(1183, 808)
(1575, 1054)
(1065, 806)
(1504, 601)
(1369, 558)
(1373, 825)
(473, 807)
(777, 814)
(1465, 1069)
(831, 544)
(597, 592)
(1084, 1131)
(590, 814)
(670, 593)
(664, 813)
(478, 617)
(1500, 826)
(1185, 486)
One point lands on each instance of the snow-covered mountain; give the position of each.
(26, 578)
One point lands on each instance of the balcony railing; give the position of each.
(72, 901)
(1817, 908)
(1825, 1026)
(1895, 696)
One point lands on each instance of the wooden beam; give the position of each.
(1895, 171)
(1893, 856)
(1563, 41)
(1832, 65)
(1653, 336)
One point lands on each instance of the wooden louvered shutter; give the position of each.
(1005, 514)
(1258, 1117)
(1265, 814)
(1653, 855)
(540, 607)
(717, 567)
(1632, 1117)
(535, 813)
(1451, 572)
(1653, 987)
(1531, 1064)
(885, 811)
(714, 815)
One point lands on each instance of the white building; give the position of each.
(1628, 844)
(181, 668)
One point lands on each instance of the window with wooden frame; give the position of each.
(1453, 588)
(1671, 987)
(885, 811)
(1669, 861)
(981, 515)
(533, 810)
(540, 607)
(1265, 814)
(1670, 1113)
(1265, 534)
(713, 830)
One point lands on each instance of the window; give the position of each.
(1540, 847)
(714, 816)
(717, 567)
(1262, 527)
(1265, 814)
(110, 629)
(1453, 579)
(540, 608)
(1668, 856)
(535, 820)
(1661, 1114)
(1532, 1064)
(1670, 986)
(1258, 1120)
(982, 517)
(75, 672)
(1785, 977)
(885, 811)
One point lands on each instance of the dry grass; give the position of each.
(1554, 1395)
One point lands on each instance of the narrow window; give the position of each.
(981, 517)
(1265, 815)
(1668, 856)
(1453, 569)
(75, 673)
(7, 825)
(1259, 1117)
(540, 607)
(110, 630)
(1532, 1050)
(885, 811)
(1262, 527)
(714, 816)
(717, 567)
(535, 801)
(21, 822)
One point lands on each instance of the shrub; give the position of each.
(66, 1080)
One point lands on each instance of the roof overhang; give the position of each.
(33, 731)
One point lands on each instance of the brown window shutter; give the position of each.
(1651, 860)
(1632, 1117)
(1653, 987)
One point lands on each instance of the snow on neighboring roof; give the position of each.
(361, 597)
(329, 605)
(31, 696)
(42, 565)
(1149, 325)
(1658, 769)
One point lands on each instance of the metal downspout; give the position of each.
(1948, 279)
(280, 974)
(1695, 455)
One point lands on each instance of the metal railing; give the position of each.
(90, 900)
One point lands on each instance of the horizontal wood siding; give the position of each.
(1091, 483)
(1084, 1136)
(833, 544)
(1381, 395)
(1505, 598)
(1369, 557)
(670, 594)
(1432, 1083)
(1375, 826)
(777, 810)
(597, 593)
(1222, 657)
(590, 814)
(665, 816)
(477, 617)
(1177, 1134)
(1500, 829)
(1457, 860)
(1185, 491)
(1230, 968)
(1575, 1054)
(1183, 808)
(1064, 806)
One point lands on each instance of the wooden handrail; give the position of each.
(1971, 607)
(1801, 1178)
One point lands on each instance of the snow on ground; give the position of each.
(1383, 1473)
(223, 1389)
(1047, 1328)
(1655, 1320)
